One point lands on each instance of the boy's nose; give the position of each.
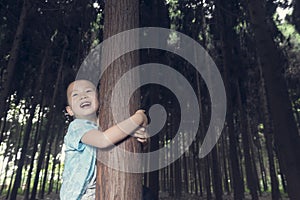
(83, 96)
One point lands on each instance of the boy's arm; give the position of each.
(116, 133)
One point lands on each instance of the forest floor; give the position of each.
(185, 196)
(165, 196)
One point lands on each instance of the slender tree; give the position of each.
(13, 57)
(49, 122)
(296, 14)
(285, 128)
(268, 132)
(225, 23)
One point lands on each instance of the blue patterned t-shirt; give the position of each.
(80, 160)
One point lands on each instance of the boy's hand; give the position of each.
(141, 135)
(145, 118)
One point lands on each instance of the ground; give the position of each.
(165, 196)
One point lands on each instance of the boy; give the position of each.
(83, 137)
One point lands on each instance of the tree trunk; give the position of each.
(217, 177)
(255, 171)
(39, 97)
(20, 130)
(246, 147)
(225, 25)
(21, 161)
(3, 124)
(268, 133)
(185, 173)
(225, 165)
(207, 177)
(151, 16)
(177, 164)
(35, 147)
(114, 184)
(49, 123)
(285, 129)
(42, 189)
(196, 169)
(7, 83)
(296, 15)
(54, 161)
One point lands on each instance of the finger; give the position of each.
(143, 129)
(139, 132)
(142, 140)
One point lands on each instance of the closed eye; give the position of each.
(74, 94)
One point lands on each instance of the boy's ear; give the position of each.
(69, 110)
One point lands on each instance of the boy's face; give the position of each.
(82, 100)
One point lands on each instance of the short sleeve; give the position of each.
(76, 130)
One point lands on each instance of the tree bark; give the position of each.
(43, 186)
(13, 58)
(114, 184)
(246, 147)
(17, 179)
(225, 25)
(285, 129)
(49, 123)
(34, 150)
(55, 163)
(268, 133)
(21, 162)
(296, 15)
(217, 177)
(151, 16)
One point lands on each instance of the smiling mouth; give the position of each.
(85, 104)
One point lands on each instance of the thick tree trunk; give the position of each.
(120, 15)
(285, 129)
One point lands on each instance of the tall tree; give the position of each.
(119, 15)
(269, 135)
(49, 122)
(296, 15)
(26, 137)
(151, 16)
(226, 23)
(285, 128)
(13, 56)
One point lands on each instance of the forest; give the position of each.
(255, 46)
